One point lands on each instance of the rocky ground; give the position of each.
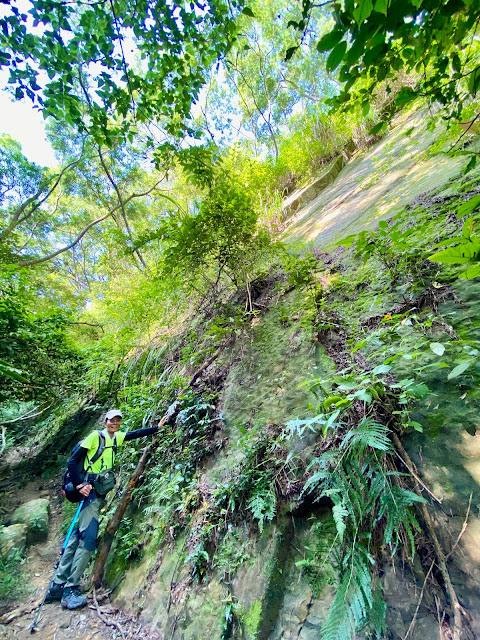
(98, 620)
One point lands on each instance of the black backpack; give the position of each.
(68, 489)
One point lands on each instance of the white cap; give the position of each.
(113, 413)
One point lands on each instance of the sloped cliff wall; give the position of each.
(272, 572)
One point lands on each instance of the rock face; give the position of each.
(374, 185)
(278, 582)
(13, 540)
(300, 197)
(35, 516)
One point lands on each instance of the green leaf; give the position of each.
(346, 242)
(471, 164)
(8, 371)
(447, 241)
(461, 254)
(467, 229)
(404, 96)
(458, 370)
(339, 513)
(416, 425)
(330, 423)
(381, 6)
(248, 12)
(329, 40)
(363, 9)
(468, 206)
(336, 56)
(363, 395)
(381, 368)
(377, 128)
(471, 272)
(474, 81)
(438, 348)
(419, 391)
(345, 383)
(327, 403)
(289, 52)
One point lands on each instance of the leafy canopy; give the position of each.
(37, 359)
(371, 41)
(221, 238)
(103, 66)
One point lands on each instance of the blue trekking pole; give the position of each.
(75, 518)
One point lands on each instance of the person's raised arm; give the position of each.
(139, 433)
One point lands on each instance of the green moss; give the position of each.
(13, 581)
(233, 553)
(263, 387)
(317, 561)
(251, 619)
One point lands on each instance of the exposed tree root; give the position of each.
(107, 621)
(414, 619)
(441, 559)
(18, 613)
(462, 530)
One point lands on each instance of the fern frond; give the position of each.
(376, 617)
(263, 507)
(340, 513)
(353, 599)
(316, 481)
(353, 476)
(395, 504)
(368, 434)
(338, 625)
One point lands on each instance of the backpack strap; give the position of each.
(99, 451)
(101, 448)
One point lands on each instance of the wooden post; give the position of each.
(115, 520)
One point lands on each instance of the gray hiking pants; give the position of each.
(82, 543)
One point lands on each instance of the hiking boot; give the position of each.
(55, 592)
(72, 598)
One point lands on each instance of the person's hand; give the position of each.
(84, 489)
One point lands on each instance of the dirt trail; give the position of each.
(56, 623)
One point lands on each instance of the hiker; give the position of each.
(93, 477)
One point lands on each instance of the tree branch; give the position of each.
(29, 263)
(260, 111)
(18, 216)
(122, 204)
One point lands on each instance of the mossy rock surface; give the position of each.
(35, 515)
(263, 388)
(13, 540)
(284, 578)
(378, 183)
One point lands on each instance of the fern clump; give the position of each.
(372, 510)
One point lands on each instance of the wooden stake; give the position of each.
(115, 520)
